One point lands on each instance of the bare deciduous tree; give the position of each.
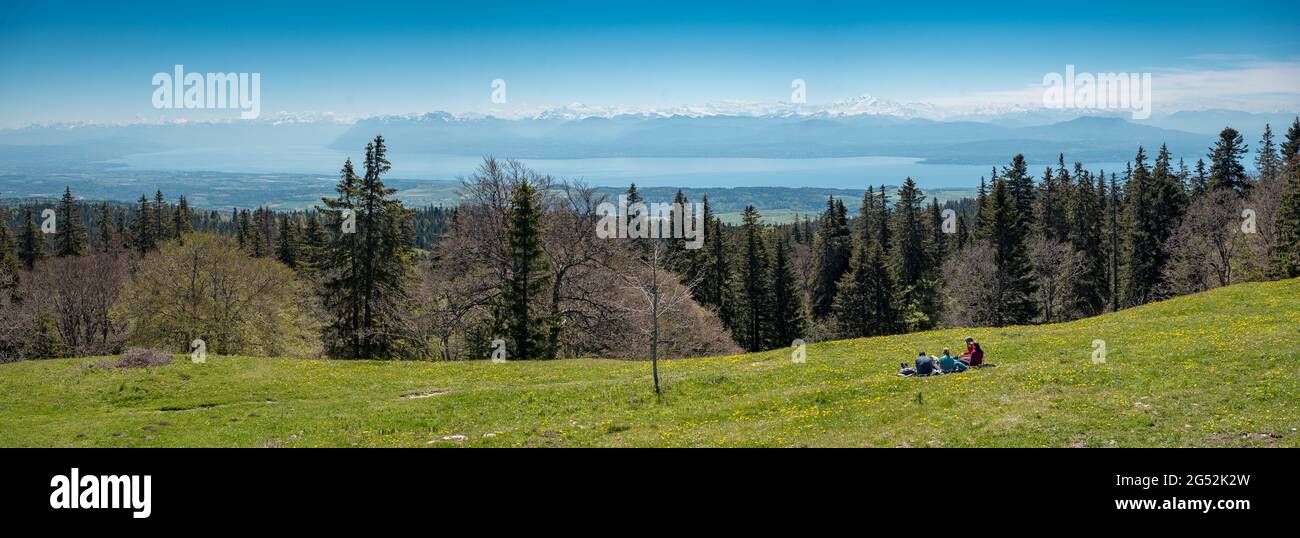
(1206, 247)
(660, 293)
(1055, 264)
(966, 286)
(77, 293)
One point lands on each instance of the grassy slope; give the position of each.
(1217, 369)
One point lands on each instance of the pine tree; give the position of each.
(633, 198)
(910, 259)
(244, 226)
(754, 307)
(287, 250)
(1021, 186)
(1142, 256)
(718, 278)
(937, 244)
(70, 231)
(31, 243)
(883, 215)
(788, 321)
(831, 250)
(144, 228)
(108, 234)
(1114, 231)
(9, 277)
(528, 332)
(867, 218)
(1087, 219)
(864, 304)
(1286, 262)
(237, 221)
(162, 218)
(260, 241)
(1012, 297)
(1052, 203)
(1170, 198)
(1291, 147)
(367, 264)
(1226, 170)
(963, 233)
(981, 203)
(182, 218)
(1184, 179)
(1267, 161)
(677, 255)
(1200, 181)
(315, 242)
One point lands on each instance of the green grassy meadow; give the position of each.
(1216, 369)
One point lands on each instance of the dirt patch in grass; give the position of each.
(171, 409)
(425, 393)
(1245, 440)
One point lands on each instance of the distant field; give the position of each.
(1215, 369)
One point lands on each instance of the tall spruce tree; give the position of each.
(981, 201)
(1020, 183)
(719, 274)
(1200, 180)
(182, 218)
(1226, 170)
(367, 264)
(702, 266)
(315, 243)
(1286, 261)
(1291, 147)
(31, 242)
(831, 251)
(1171, 202)
(9, 276)
(937, 244)
(1012, 295)
(1114, 233)
(1142, 256)
(788, 320)
(108, 236)
(70, 230)
(864, 304)
(754, 320)
(1267, 161)
(527, 328)
(910, 260)
(288, 249)
(1052, 203)
(162, 218)
(246, 235)
(144, 228)
(1087, 221)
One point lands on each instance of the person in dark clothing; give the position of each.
(926, 365)
(974, 355)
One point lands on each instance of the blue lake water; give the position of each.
(842, 172)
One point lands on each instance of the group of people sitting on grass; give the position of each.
(927, 364)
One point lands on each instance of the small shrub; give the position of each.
(138, 357)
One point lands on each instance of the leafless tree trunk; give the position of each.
(661, 295)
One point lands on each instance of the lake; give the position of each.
(841, 172)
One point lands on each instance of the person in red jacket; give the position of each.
(974, 355)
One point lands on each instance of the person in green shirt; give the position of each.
(949, 364)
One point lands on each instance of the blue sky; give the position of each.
(65, 61)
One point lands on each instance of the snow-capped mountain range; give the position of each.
(1009, 114)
